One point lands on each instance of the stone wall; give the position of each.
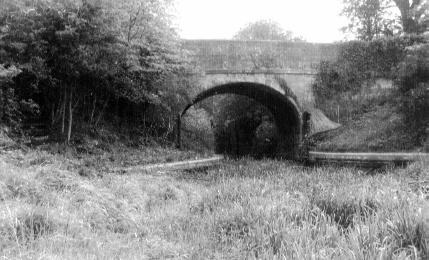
(298, 84)
(244, 55)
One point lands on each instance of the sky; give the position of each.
(315, 20)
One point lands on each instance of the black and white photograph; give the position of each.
(214, 129)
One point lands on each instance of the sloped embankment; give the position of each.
(380, 129)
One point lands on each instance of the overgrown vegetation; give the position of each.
(379, 129)
(244, 210)
(85, 63)
(266, 30)
(377, 87)
(93, 72)
(374, 19)
(387, 72)
(413, 85)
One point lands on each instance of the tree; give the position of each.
(414, 15)
(142, 21)
(266, 30)
(371, 19)
(368, 19)
(82, 59)
(260, 31)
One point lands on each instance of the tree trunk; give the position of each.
(69, 131)
(94, 102)
(52, 115)
(2, 106)
(178, 131)
(409, 23)
(63, 112)
(101, 112)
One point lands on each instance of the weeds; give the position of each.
(244, 210)
(34, 224)
(344, 210)
(21, 188)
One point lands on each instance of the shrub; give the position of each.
(341, 84)
(413, 86)
(357, 62)
(197, 130)
(10, 113)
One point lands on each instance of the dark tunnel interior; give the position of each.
(284, 109)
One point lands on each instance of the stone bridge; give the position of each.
(277, 74)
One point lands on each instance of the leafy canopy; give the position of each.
(266, 30)
(92, 53)
(372, 19)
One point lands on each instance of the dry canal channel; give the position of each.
(360, 159)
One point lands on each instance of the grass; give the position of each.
(379, 129)
(244, 210)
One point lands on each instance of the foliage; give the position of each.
(359, 61)
(83, 60)
(368, 19)
(344, 82)
(413, 84)
(13, 110)
(143, 22)
(372, 19)
(414, 15)
(343, 90)
(197, 130)
(265, 30)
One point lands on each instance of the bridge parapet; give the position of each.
(250, 55)
(259, 71)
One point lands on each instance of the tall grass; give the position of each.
(243, 210)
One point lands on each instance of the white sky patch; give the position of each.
(315, 20)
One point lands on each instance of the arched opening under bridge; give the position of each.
(285, 110)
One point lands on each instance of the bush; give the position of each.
(360, 61)
(413, 86)
(10, 113)
(197, 132)
(341, 84)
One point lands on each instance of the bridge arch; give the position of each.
(284, 108)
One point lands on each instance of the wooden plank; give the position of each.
(368, 157)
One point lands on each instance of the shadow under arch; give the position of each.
(285, 110)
